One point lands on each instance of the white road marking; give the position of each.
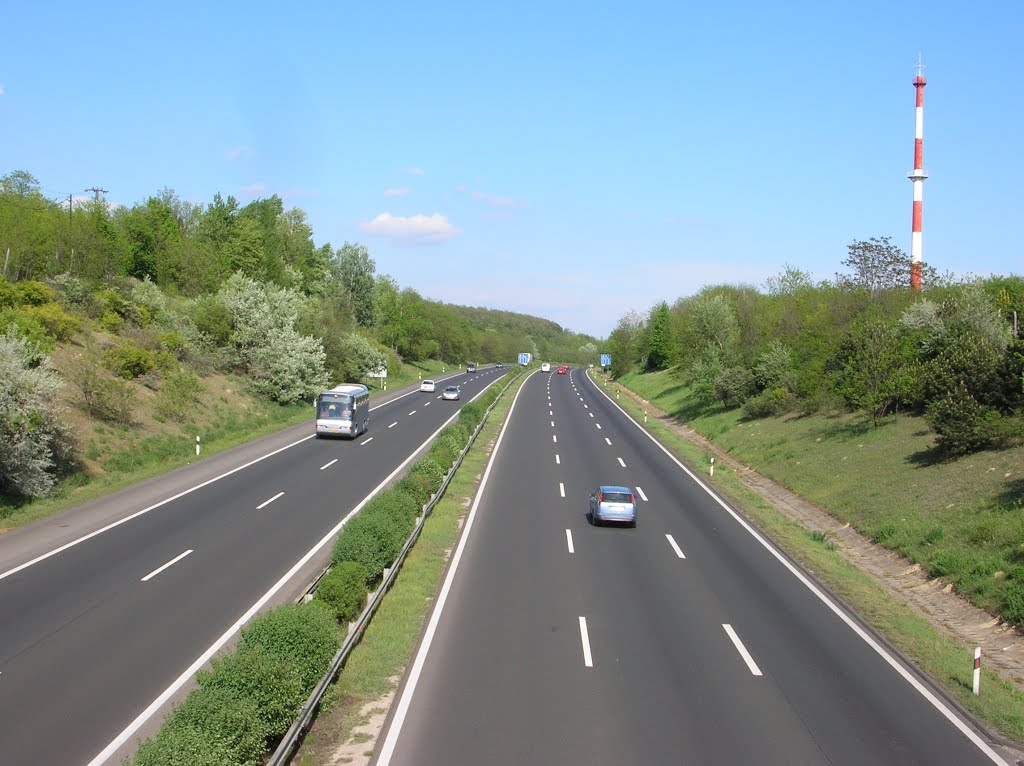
(597, 424)
(672, 542)
(328, 465)
(584, 406)
(621, 462)
(585, 638)
(413, 412)
(557, 460)
(561, 489)
(551, 412)
(554, 438)
(641, 493)
(393, 424)
(591, 414)
(552, 424)
(172, 562)
(608, 441)
(366, 442)
(742, 650)
(265, 503)
(427, 404)
(568, 540)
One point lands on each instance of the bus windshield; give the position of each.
(334, 406)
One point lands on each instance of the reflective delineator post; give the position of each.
(712, 471)
(977, 670)
(197, 446)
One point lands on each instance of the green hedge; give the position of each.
(343, 590)
(305, 634)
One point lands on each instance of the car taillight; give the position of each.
(632, 500)
(600, 497)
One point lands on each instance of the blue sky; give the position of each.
(568, 160)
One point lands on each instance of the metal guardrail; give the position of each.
(283, 754)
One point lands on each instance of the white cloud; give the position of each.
(235, 152)
(413, 171)
(400, 191)
(411, 230)
(493, 200)
(257, 189)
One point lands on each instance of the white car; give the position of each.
(545, 367)
(428, 386)
(451, 394)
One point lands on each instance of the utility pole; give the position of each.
(97, 192)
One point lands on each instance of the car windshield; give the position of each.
(615, 497)
(452, 388)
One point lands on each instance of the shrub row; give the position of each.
(251, 696)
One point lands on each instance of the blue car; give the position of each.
(615, 504)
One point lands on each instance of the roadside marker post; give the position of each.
(645, 417)
(197, 446)
(712, 471)
(977, 670)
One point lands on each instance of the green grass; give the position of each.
(391, 637)
(875, 499)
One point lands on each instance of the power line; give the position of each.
(96, 192)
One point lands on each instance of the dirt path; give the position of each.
(1002, 645)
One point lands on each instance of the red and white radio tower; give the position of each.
(917, 175)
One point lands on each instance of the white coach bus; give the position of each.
(343, 411)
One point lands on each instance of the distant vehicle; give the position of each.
(451, 393)
(427, 385)
(470, 367)
(563, 369)
(612, 503)
(591, 366)
(497, 364)
(545, 367)
(343, 411)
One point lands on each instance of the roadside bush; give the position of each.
(416, 488)
(211, 723)
(307, 635)
(174, 343)
(178, 394)
(34, 293)
(343, 589)
(19, 323)
(471, 415)
(962, 424)
(429, 473)
(272, 681)
(734, 385)
(71, 290)
(1013, 603)
(397, 504)
(128, 361)
(8, 294)
(775, 401)
(150, 298)
(58, 323)
(103, 398)
(372, 540)
(212, 319)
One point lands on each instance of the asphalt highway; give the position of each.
(96, 636)
(687, 640)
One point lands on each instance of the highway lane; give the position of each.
(684, 640)
(92, 635)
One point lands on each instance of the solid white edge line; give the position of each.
(641, 493)
(751, 665)
(202, 659)
(568, 540)
(265, 503)
(394, 731)
(588, 660)
(393, 424)
(561, 489)
(907, 676)
(170, 563)
(672, 542)
(328, 465)
(621, 462)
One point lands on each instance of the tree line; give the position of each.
(861, 342)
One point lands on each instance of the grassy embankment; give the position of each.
(375, 665)
(964, 517)
(115, 456)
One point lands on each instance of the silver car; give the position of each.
(451, 393)
(611, 503)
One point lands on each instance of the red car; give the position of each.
(563, 369)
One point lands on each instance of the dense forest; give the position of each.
(861, 342)
(166, 291)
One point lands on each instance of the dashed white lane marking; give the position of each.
(588, 660)
(393, 424)
(742, 650)
(568, 540)
(672, 542)
(621, 462)
(608, 441)
(170, 563)
(413, 412)
(366, 442)
(265, 503)
(427, 404)
(586, 407)
(558, 460)
(551, 412)
(328, 465)
(591, 414)
(552, 424)
(554, 438)
(561, 489)
(641, 493)
(597, 424)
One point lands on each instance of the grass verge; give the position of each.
(376, 664)
(947, 662)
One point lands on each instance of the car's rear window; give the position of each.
(615, 497)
